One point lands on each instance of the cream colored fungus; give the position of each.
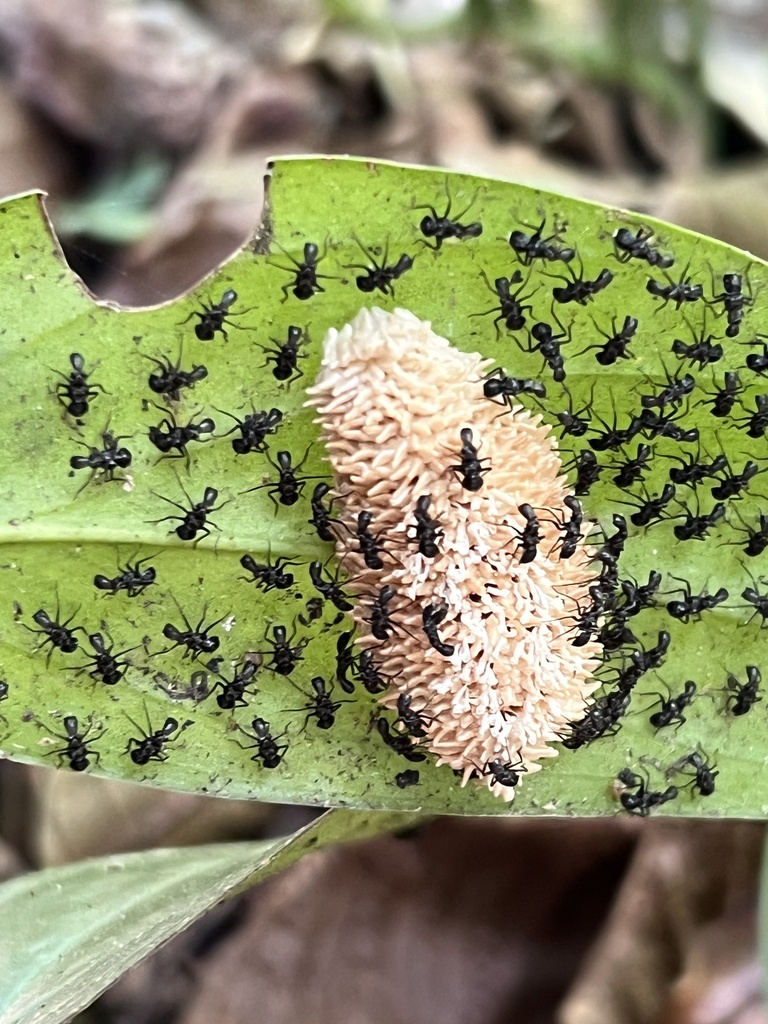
(392, 399)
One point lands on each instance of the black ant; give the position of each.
(106, 666)
(322, 517)
(305, 275)
(615, 633)
(73, 391)
(675, 291)
(548, 344)
(368, 543)
(196, 641)
(654, 424)
(643, 799)
(588, 472)
(724, 398)
(569, 527)
(704, 774)
(673, 392)
(168, 435)
(672, 708)
(400, 743)
(613, 546)
(691, 471)
(286, 356)
(637, 597)
(410, 777)
(616, 345)
(734, 301)
(757, 600)
(131, 579)
(650, 509)
(530, 536)
(412, 721)
(330, 589)
(576, 422)
(442, 227)
(57, 634)
(346, 661)
(511, 308)
(757, 538)
(504, 774)
(379, 276)
(102, 461)
(195, 519)
(431, 617)
(535, 247)
(321, 706)
(76, 751)
(253, 429)
(613, 436)
(428, 531)
(268, 750)
(637, 246)
(497, 385)
(692, 605)
(731, 484)
(757, 362)
(370, 676)
(214, 316)
(756, 422)
(632, 469)
(233, 691)
(577, 289)
(269, 575)
(151, 745)
(285, 654)
(743, 695)
(470, 469)
(701, 350)
(602, 719)
(644, 661)
(697, 527)
(586, 622)
(380, 620)
(289, 485)
(169, 378)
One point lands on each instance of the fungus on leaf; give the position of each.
(504, 677)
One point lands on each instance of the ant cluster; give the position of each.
(655, 457)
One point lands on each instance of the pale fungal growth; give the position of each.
(504, 679)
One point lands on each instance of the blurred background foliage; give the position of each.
(149, 123)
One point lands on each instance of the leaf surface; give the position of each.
(55, 537)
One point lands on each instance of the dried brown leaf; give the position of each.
(465, 922)
(687, 882)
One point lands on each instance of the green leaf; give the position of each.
(69, 932)
(55, 539)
